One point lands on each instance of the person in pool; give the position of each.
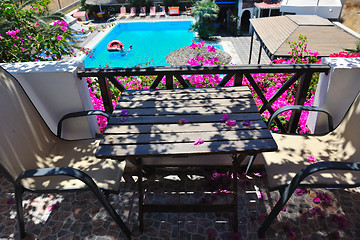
(122, 49)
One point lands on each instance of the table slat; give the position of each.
(187, 96)
(175, 118)
(218, 147)
(184, 103)
(175, 128)
(190, 137)
(244, 89)
(157, 111)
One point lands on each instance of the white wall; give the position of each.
(336, 91)
(324, 8)
(55, 90)
(240, 13)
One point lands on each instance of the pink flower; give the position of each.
(230, 122)
(182, 121)
(211, 49)
(199, 141)
(312, 159)
(124, 112)
(193, 45)
(58, 38)
(300, 192)
(63, 28)
(225, 117)
(316, 200)
(53, 207)
(247, 123)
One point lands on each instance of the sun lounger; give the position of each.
(152, 11)
(162, 11)
(122, 12)
(132, 12)
(142, 12)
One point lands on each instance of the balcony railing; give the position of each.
(301, 72)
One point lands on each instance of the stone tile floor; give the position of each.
(78, 215)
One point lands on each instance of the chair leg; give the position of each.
(141, 195)
(19, 209)
(284, 197)
(106, 204)
(250, 163)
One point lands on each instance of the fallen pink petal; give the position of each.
(54, 206)
(199, 141)
(225, 117)
(247, 123)
(230, 122)
(124, 112)
(312, 159)
(182, 121)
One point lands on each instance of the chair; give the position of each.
(162, 11)
(36, 160)
(189, 11)
(152, 11)
(122, 12)
(132, 12)
(142, 12)
(337, 157)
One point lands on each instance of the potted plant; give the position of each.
(205, 13)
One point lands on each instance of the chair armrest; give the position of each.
(302, 108)
(80, 114)
(68, 171)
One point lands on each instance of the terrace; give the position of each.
(79, 215)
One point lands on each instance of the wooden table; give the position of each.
(147, 125)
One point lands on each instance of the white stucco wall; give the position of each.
(240, 13)
(324, 8)
(55, 90)
(336, 91)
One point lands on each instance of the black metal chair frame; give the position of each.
(56, 171)
(287, 190)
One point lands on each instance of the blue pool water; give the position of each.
(151, 41)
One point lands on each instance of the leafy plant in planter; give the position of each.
(205, 13)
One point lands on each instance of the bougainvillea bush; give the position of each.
(268, 83)
(31, 33)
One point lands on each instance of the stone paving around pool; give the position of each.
(80, 216)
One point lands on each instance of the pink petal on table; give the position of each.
(247, 123)
(230, 122)
(183, 121)
(225, 117)
(124, 112)
(199, 141)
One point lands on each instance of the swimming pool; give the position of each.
(151, 42)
